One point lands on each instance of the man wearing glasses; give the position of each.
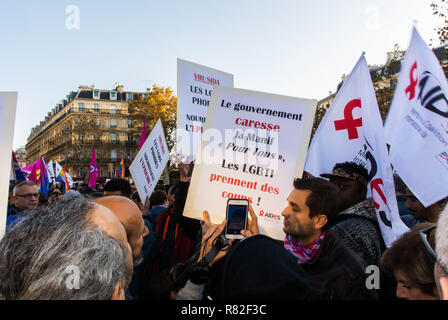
(26, 197)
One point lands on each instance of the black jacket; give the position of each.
(337, 272)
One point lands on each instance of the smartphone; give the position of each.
(236, 216)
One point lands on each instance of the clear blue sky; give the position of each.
(291, 47)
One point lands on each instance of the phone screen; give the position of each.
(236, 219)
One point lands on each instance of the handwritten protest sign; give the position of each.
(253, 145)
(194, 88)
(150, 162)
(8, 104)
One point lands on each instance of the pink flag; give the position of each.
(33, 175)
(93, 171)
(29, 168)
(142, 135)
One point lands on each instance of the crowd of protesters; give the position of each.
(108, 243)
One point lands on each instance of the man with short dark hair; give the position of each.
(356, 223)
(117, 187)
(336, 272)
(159, 203)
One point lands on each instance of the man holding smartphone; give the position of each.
(336, 272)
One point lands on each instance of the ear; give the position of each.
(320, 221)
(363, 191)
(444, 286)
(118, 293)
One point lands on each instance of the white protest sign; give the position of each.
(254, 144)
(150, 162)
(417, 124)
(8, 104)
(194, 88)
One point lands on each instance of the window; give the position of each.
(97, 122)
(96, 94)
(113, 154)
(113, 108)
(96, 107)
(113, 123)
(81, 137)
(129, 96)
(81, 107)
(129, 123)
(130, 138)
(113, 95)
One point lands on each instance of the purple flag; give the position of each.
(93, 171)
(142, 135)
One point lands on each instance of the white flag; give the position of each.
(417, 124)
(58, 168)
(50, 172)
(69, 179)
(352, 130)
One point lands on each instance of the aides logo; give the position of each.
(431, 95)
(443, 159)
(268, 215)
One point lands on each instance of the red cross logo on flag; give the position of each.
(348, 123)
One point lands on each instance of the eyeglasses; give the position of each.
(424, 234)
(28, 196)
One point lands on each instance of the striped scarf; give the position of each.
(301, 252)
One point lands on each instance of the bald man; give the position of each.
(131, 217)
(109, 223)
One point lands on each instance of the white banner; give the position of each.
(150, 161)
(8, 105)
(50, 171)
(254, 145)
(417, 124)
(194, 88)
(352, 130)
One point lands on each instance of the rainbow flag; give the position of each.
(120, 172)
(61, 176)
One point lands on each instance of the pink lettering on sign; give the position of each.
(161, 145)
(207, 80)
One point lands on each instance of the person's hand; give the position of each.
(213, 231)
(252, 224)
(184, 167)
(206, 224)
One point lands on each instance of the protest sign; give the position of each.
(8, 104)
(150, 162)
(417, 124)
(254, 144)
(352, 130)
(194, 88)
